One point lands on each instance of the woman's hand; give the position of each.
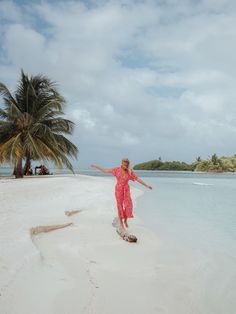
(93, 166)
(143, 183)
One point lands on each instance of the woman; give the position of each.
(124, 202)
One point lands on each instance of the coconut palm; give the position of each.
(198, 159)
(214, 159)
(32, 126)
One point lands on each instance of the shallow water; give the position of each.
(194, 216)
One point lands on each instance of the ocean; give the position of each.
(194, 217)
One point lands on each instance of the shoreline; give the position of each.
(83, 268)
(91, 173)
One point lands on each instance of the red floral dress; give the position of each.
(122, 192)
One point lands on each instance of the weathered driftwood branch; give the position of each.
(39, 229)
(72, 212)
(124, 234)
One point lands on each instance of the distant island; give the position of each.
(212, 164)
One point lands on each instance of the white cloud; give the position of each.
(10, 11)
(127, 138)
(22, 42)
(211, 102)
(84, 117)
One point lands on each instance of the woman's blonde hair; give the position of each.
(126, 159)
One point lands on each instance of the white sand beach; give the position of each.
(83, 268)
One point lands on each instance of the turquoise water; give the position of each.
(6, 171)
(208, 199)
(194, 217)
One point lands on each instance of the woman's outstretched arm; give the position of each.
(105, 170)
(143, 183)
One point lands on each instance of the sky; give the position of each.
(142, 79)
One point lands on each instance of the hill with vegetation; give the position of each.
(212, 164)
(163, 165)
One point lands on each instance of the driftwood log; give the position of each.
(39, 229)
(124, 234)
(72, 212)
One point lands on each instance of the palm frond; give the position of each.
(3, 114)
(9, 99)
(12, 149)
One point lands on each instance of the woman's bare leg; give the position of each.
(125, 222)
(121, 222)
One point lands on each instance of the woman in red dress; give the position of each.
(124, 202)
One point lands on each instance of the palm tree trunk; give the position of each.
(27, 165)
(19, 169)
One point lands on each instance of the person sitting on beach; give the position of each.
(124, 202)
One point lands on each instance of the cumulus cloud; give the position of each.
(142, 78)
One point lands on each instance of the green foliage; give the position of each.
(166, 165)
(213, 164)
(215, 159)
(31, 123)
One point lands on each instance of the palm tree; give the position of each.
(198, 159)
(32, 126)
(214, 159)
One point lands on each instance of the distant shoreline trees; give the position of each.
(32, 126)
(212, 164)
